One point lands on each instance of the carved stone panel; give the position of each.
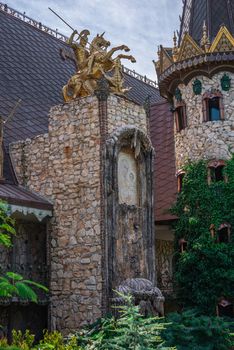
(127, 178)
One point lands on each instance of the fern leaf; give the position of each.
(25, 292)
(37, 285)
(14, 276)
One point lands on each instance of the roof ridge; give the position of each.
(59, 36)
(28, 20)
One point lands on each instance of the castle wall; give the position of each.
(65, 166)
(205, 140)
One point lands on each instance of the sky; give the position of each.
(142, 25)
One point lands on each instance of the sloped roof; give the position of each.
(20, 196)
(32, 69)
(162, 136)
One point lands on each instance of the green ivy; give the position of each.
(189, 331)
(204, 272)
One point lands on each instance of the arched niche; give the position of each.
(128, 200)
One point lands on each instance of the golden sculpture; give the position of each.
(93, 63)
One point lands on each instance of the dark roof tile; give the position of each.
(32, 69)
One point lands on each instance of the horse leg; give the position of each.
(117, 48)
(128, 57)
(66, 97)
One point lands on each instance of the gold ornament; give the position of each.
(94, 63)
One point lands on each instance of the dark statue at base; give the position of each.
(145, 295)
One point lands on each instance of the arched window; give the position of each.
(180, 176)
(224, 233)
(183, 245)
(180, 116)
(213, 108)
(215, 171)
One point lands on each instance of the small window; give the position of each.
(180, 116)
(216, 171)
(180, 178)
(217, 174)
(224, 233)
(213, 109)
(183, 245)
(224, 308)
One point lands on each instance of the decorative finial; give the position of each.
(175, 48)
(205, 43)
(159, 51)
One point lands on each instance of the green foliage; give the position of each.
(130, 331)
(188, 331)
(205, 271)
(13, 284)
(55, 341)
(6, 226)
(23, 341)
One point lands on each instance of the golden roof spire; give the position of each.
(205, 42)
(175, 48)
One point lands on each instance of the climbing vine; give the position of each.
(204, 270)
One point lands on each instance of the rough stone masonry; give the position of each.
(65, 166)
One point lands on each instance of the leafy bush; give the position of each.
(188, 331)
(130, 331)
(20, 341)
(55, 341)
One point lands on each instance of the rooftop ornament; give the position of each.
(93, 63)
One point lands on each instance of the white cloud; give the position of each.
(140, 24)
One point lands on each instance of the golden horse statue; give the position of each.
(92, 64)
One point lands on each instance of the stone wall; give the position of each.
(205, 140)
(124, 112)
(65, 166)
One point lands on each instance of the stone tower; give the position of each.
(197, 78)
(95, 164)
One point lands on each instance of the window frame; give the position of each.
(215, 233)
(207, 96)
(214, 164)
(180, 106)
(227, 226)
(179, 176)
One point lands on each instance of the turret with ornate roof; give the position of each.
(196, 76)
(205, 43)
